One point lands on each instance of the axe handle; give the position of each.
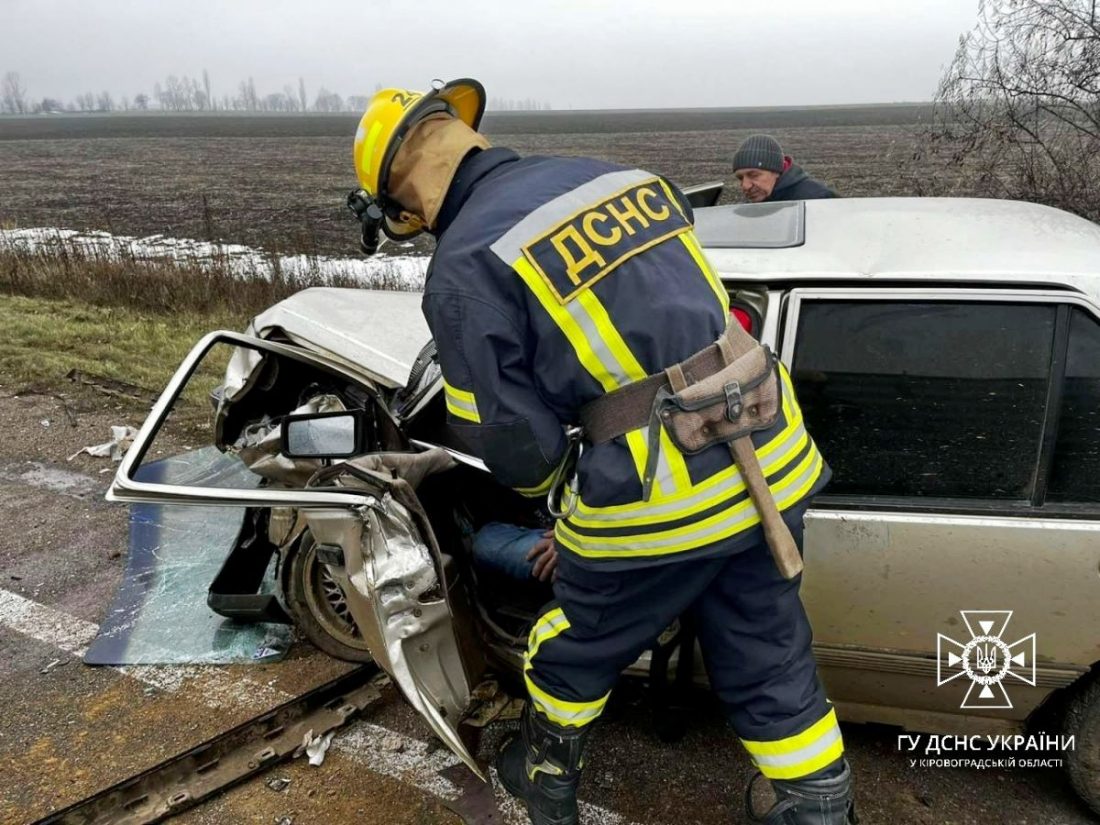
(778, 535)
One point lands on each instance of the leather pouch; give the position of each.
(741, 398)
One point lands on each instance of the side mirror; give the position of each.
(322, 435)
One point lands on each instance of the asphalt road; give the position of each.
(67, 730)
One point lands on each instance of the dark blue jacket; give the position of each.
(556, 280)
(796, 185)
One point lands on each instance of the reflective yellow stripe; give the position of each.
(722, 484)
(368, 147)
(561, 712)
(607, 359)
(457, 394)
(633, 371)
(569, 327)
(681, 479)
(801, 754)
(629, 365)
(700, 258)
(636, 442)
(692, 243)
(541, 489)
(459, 412)
(737, 518)
(709, 496)
(548, 626)
(461, 403)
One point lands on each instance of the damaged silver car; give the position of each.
(946, 354)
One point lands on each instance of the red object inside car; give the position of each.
(743, 318)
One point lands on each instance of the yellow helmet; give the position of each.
(388, 118)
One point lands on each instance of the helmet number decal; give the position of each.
(405, 98)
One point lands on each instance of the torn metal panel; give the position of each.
(396, 582)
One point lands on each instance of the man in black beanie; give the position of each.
(767, 175)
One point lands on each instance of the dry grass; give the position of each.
(66, 271)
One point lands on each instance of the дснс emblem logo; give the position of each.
(986, 659)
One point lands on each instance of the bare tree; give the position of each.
(104, 102)
(328, 101)
(303, 102)
(206, 88)
(291, 98)
(1017, 113)
(141, 101)
(249, 101)
(13, 94)
(357, 103)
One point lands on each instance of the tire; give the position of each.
(318, 606)
(1082, 721)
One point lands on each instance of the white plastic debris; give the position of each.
(121, 439)
(393, 744)
(317, 746)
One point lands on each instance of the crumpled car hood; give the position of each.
(375, 332)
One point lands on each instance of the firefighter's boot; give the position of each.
(825, 801)
(542, 767)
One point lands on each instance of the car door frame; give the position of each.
(331, 506)
(908, 667)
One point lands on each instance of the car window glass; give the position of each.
(1075, 475)
(942, 399)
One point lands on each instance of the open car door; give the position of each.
(368, 529)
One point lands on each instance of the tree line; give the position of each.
(182, 93)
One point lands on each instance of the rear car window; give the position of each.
(1075, 474)
(936, 399)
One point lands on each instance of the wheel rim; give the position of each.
(328, 603)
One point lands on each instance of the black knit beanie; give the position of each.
(759, 152)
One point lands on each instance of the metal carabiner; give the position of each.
(559, 483)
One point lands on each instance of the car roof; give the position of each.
(968, 240)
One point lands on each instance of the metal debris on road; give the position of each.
(278, 784)
(53, 664)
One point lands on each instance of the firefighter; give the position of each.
(555, 283)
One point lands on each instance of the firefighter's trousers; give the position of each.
(752, 629)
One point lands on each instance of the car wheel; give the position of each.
(1083, 762)
(319, 606)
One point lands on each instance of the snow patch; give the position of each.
(404, 272)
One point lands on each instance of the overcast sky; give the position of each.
(570, 53)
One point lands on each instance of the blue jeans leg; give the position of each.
(504, 548)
